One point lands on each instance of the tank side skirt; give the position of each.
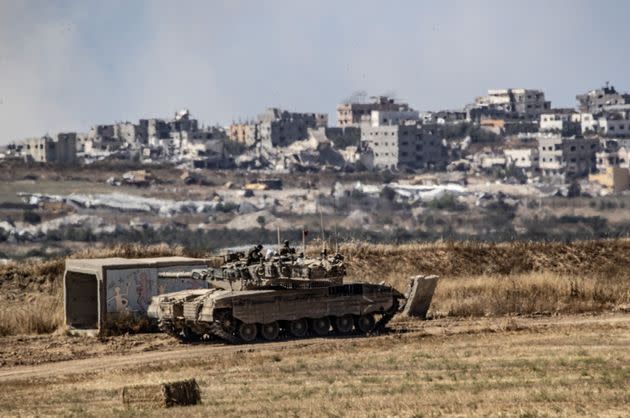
(281, 306)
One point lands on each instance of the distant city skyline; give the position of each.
(68, 65)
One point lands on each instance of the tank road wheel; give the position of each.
(270, 331)
(365, 323)
(247, 332)
(344, 324)
(298, 328)
(320, 326)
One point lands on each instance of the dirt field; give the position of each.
(560, 366)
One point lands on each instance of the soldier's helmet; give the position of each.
(259, 247)
(286, 243)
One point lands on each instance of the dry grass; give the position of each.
(394, 263)
(476, 279)
(529, 293)
(563, 370)
(37, 314)
(510, 278)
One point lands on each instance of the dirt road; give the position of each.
(90, 355)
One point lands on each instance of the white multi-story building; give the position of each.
(355, 114)
(616, 125)
(393, 117)
(405, 145)
(520, 101)
(525, 158)
(560, 120)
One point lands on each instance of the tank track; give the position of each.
(387, 316)
(217, 330)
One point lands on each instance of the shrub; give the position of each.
(448, 202)
(31, 217)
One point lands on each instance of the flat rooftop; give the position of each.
(119, 262)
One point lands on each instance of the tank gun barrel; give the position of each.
(195, 274)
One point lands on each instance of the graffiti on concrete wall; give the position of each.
(130, 290)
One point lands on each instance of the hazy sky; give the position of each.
(66, 65)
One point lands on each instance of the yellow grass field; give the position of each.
(566, 366)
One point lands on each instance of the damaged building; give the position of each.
(277, 128)
(355, 114)
(409, 145)
(57, 149)
(567, 157)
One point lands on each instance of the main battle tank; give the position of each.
(285, 294)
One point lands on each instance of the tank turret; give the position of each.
(273, 272)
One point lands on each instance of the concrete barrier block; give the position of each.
(419, 296)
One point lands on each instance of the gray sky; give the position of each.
(66, 65)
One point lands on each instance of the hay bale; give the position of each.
(163, 395)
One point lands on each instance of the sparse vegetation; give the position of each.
(37, 314)
(31, 217)
(447, 202)
(577, 368)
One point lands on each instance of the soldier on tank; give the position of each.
(286, 248)
(254, 255)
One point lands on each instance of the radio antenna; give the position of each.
(336, 233)
(321, 225)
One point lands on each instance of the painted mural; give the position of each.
(131, 290)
